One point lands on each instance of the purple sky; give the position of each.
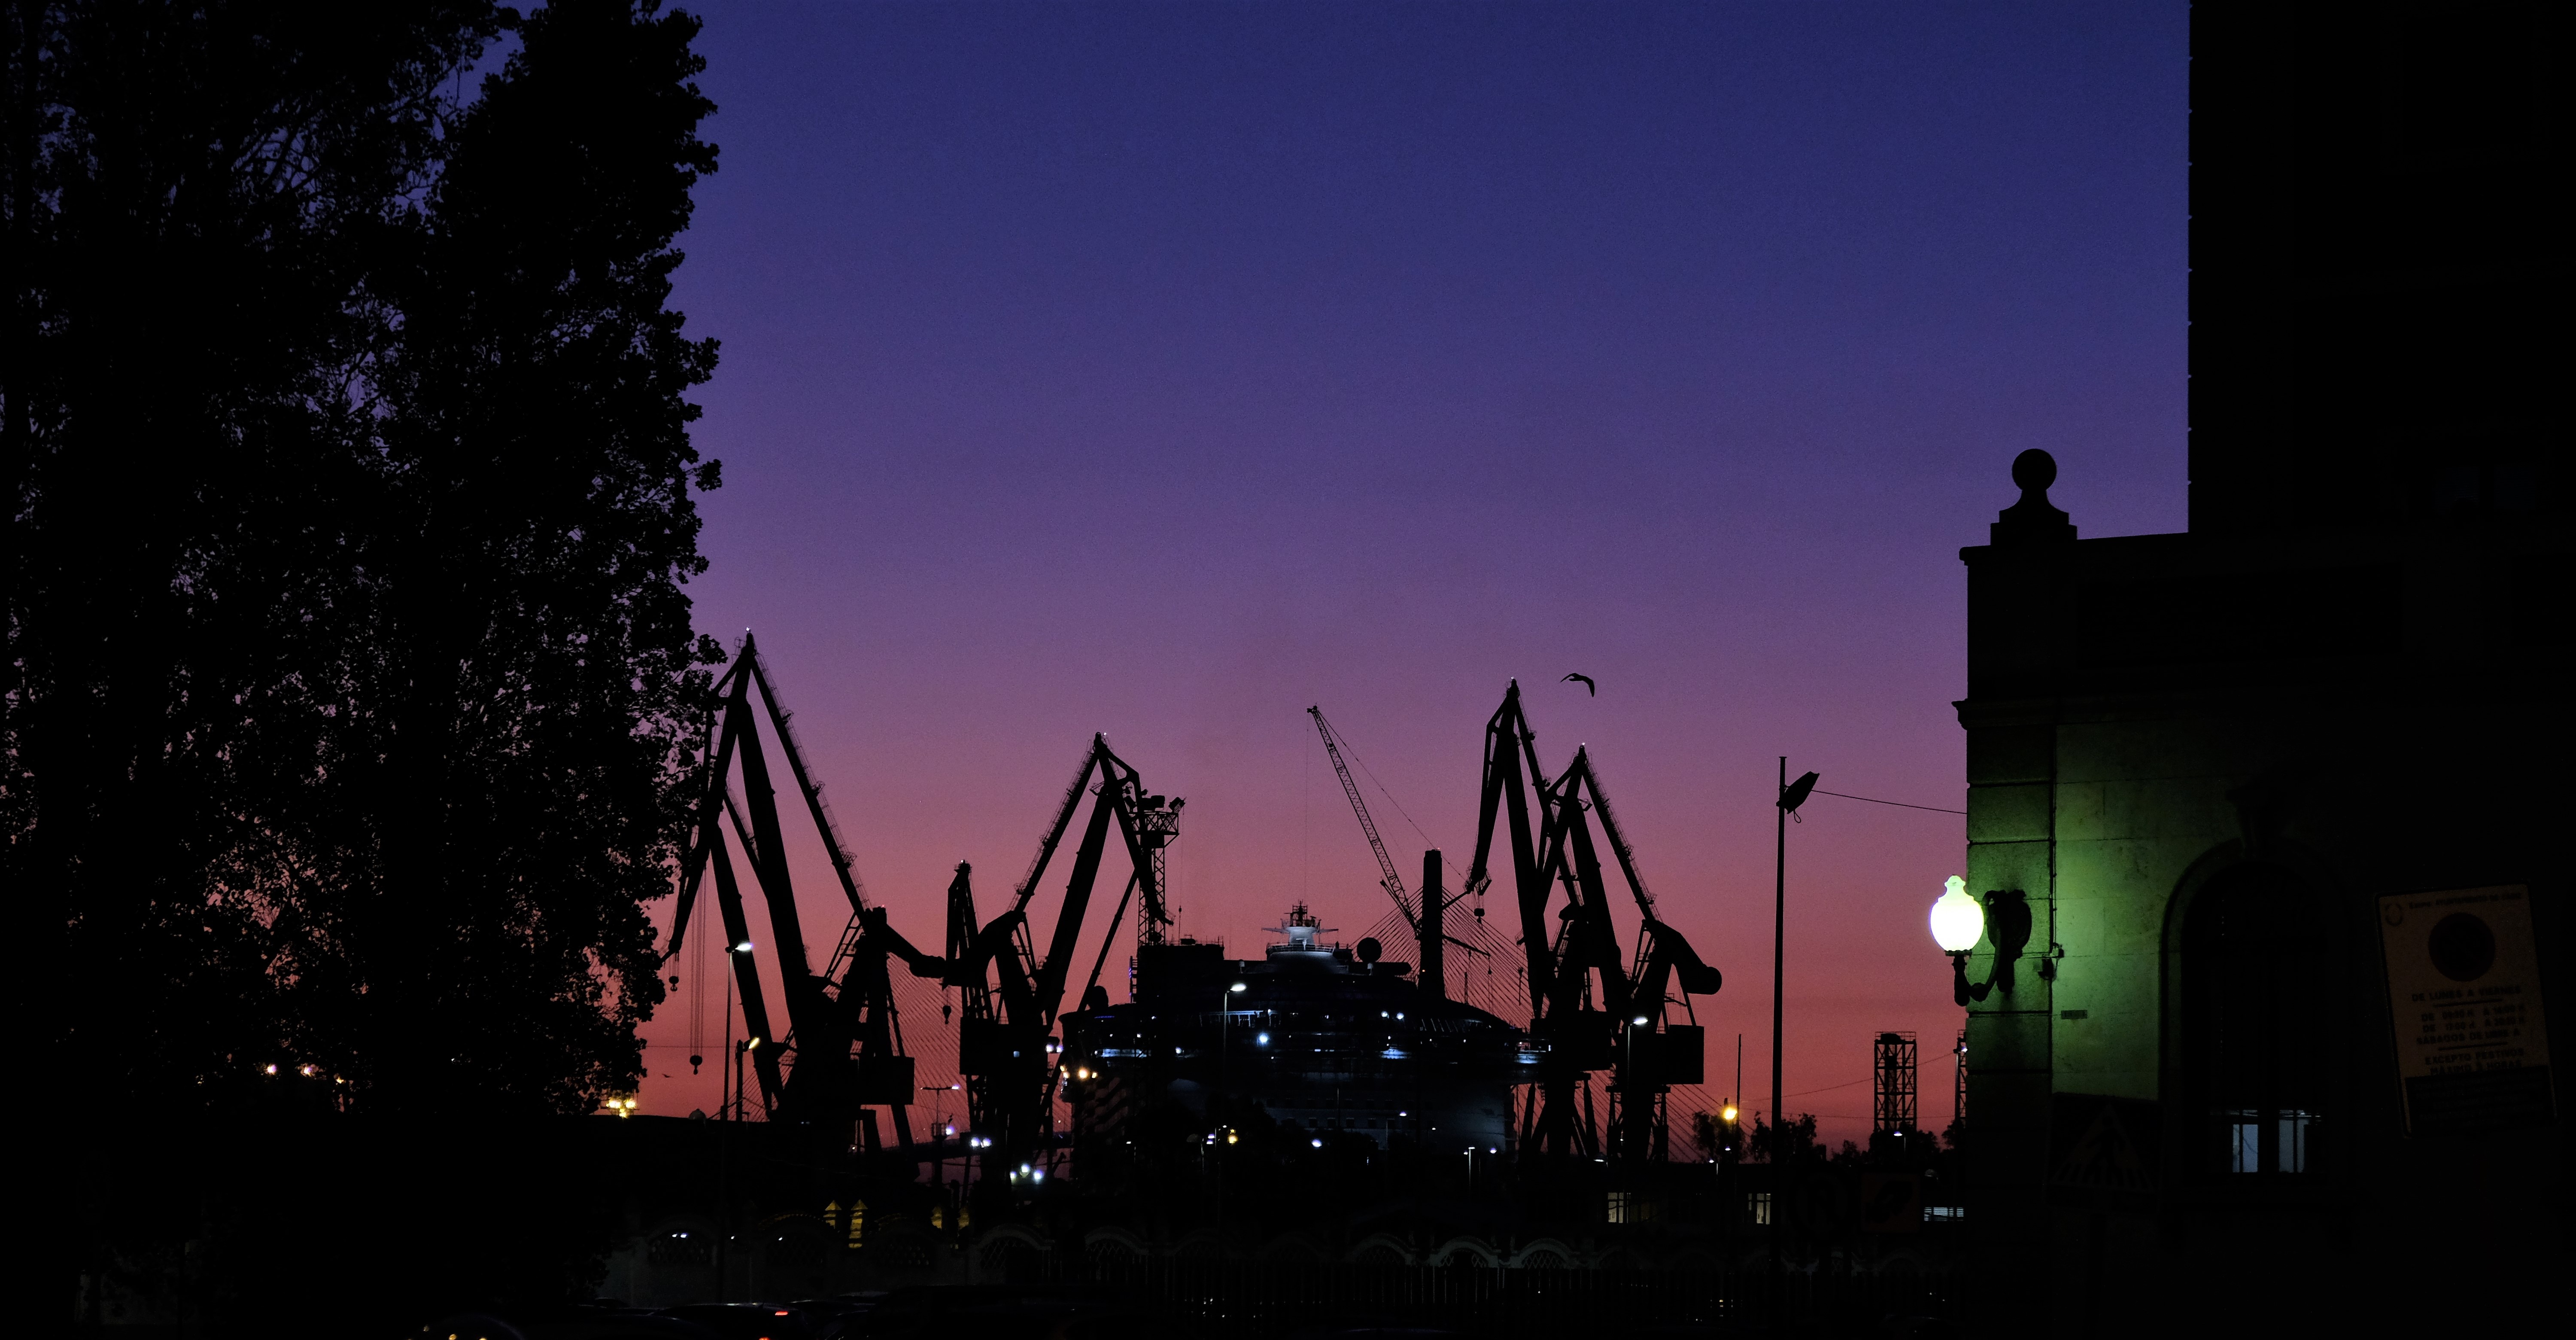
(1163, 369)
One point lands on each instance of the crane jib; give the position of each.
(1389, 878)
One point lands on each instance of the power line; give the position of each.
(1827, 1089)
(1897, 803)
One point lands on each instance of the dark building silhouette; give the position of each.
(2379, 263)
(2271, 817)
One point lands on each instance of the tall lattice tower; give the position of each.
(1894, 1073)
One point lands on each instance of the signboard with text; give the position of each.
(2464, 989)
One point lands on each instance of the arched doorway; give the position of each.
(2258, 1002)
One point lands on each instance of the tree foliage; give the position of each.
(1793, 1142)
(1714, 1137)
(350, 681)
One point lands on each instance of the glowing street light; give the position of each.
(1958, 922)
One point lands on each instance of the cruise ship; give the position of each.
(1323, 1038)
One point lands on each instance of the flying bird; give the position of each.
(1590, 690)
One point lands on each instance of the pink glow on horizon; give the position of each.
(1239, 864)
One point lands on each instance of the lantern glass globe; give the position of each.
(1957, 921)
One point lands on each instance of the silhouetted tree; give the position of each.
(1793, 1143)
(1713, 1136)
(350, 503)
(1708, 1135)
(349, 678)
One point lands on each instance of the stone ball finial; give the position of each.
(2034, 470)
(2032, 519)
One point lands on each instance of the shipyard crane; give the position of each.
(843, 1053)
(1013, 994)
(1650, 1054)
(1388, 879)
(1429, 925)
(1430, 934)
(1590, 1008)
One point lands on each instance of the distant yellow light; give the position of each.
(1728, 1114)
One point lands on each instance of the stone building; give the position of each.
(2271, 817)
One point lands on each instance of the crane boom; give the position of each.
(1389, 880)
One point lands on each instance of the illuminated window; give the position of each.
(2244, 1142)
(2257, 1007)
(2295, 1129)
(1758, 1205)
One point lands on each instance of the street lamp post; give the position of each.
(1791, 796)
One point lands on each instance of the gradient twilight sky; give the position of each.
(1165, 368)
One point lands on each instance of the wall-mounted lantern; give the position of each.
(1957, 924)
(1960, 921)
